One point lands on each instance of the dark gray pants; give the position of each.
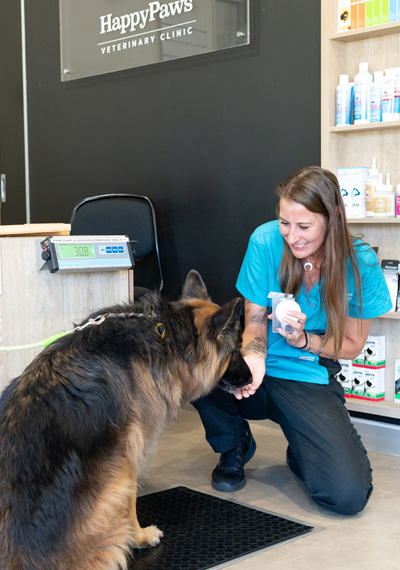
(324, 449)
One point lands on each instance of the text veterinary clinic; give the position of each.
(139, 20)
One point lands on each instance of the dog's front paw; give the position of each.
(149, 536)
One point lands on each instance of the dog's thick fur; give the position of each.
(75, 426)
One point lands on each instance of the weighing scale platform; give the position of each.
(203, 531)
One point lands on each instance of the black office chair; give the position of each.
(120, 214)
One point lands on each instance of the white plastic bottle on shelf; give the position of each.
(380, 199)
(396, 106)
(343, 101)
(398, 200)
(371, 184)
(394, 74)
(387, 98)
(362, 95)
(376, 97)
(391, 199)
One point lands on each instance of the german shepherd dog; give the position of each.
(76, 424)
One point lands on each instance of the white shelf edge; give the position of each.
(373, 220)
(380, 408)
(366, 33)
(365, 127)
(393, 315)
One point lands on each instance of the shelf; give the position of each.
(394, 315)
(365, 127)
(381, 408)
(366, 33)
(373, 220)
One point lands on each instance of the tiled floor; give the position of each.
(368, 541)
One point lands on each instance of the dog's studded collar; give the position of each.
(101, 318)
(90, 322)
(160, 329)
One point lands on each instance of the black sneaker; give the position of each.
(229, 474)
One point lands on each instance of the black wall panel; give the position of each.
(207, 138)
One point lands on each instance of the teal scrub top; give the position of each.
(259, 275)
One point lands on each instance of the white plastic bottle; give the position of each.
(343, 101)
(376, 97)
(391, 199)
(371, 184)
(380, 199)
(396, 104)
(362, 95)
(398, 200)
(394, 74)
(387, 98)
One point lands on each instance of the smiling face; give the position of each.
(304, 231)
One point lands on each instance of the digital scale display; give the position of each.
(84, 253)
(84, 250)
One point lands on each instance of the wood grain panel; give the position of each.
(37, 304)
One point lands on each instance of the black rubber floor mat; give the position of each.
(202, 531)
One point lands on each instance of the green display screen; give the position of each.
(76, 251)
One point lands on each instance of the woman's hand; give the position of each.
(297, 337)
(256, 363)
(254, 346)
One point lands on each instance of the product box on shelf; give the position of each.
(384, 11)
(357, 14)
(353, 185)
(368, 12)
(374, 351)
(358, 380)
(376, 13)
(397, 381)
(393, 10)
(345, 376)
(344, 15)
(361, 14)
(367, 371)
(354, 15)
(360, 359)
(374, 382)
(391, 273)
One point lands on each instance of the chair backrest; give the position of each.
(120, 214)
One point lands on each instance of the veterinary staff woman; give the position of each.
(338, 283)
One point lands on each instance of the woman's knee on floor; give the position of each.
(343, 487)
(344, 497)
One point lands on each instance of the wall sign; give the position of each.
(101, 36)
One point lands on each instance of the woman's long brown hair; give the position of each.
(318, 190)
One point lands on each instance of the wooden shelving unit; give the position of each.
(366, 33)
(374, 221)
(354, 145)
(367, 127)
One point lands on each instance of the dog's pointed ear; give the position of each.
(227, 318)
(194, 287)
